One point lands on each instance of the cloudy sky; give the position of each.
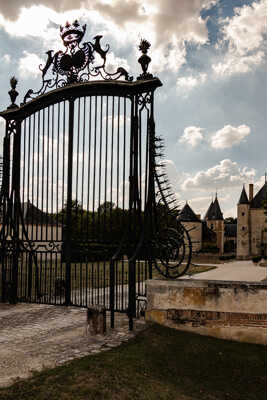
(210, 56)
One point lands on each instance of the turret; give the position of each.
(243, 227)
(214, 218)
(192, 223)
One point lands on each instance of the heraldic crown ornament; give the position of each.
(77, 63)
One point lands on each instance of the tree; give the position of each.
(106, 207)
(230, 220)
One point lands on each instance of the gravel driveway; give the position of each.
(34, 336)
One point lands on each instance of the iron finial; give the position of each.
(144, 60)
(13, 93)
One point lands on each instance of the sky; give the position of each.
(211, 58)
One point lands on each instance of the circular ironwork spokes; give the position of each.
(172, 251)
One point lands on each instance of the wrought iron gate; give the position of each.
(87, 211)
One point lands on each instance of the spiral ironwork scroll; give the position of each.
(172, 247)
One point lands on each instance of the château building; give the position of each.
(251, 223)
(210, 233)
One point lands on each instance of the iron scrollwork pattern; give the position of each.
(75, 64)
(144, 100)
(172, 247)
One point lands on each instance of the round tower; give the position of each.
(243, 227)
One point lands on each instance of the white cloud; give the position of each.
(168, 25)
(246, 30)
(229, 136)
(258, 184)
(226, 174)
(245, 34)
(192, 135)
(41, 22)
(189, 82)
(114, 62)
(32, 21)
(168, 58)
(224, 138)
(236, 64)
(6, 58)
(29, 65)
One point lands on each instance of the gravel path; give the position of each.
(34, 336)
(235, 271)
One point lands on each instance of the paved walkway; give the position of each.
(234, 271)
(34, 336)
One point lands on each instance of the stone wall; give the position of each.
(227, 310)
(257, 226)
(218, 227)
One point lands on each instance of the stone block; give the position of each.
(96, 320)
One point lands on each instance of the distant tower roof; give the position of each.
(243, 198)
(188, 215)
(214, 211)
(209, 210)
(260, 197)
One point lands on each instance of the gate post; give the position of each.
(112, 291)
(134, 210)
(68, 246)
(4, 199)
(16, 210)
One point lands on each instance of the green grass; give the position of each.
(160, 363)
(90, 275)
(197, 269)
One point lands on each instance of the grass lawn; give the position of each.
(160, 363)
(196, 269)
(88, 275)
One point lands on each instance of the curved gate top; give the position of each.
(87, 211)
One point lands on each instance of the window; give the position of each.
(243, 228)
(243, 214)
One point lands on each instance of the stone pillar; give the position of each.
(243, 249)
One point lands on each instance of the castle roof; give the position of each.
(243, 198)
(261, 196)
(214, 211)
(208, 211)
(188, 215)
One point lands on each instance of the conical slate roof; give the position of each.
(260, 197)
(188, 215)
(208, 211)
(243, 198)
(214, 211)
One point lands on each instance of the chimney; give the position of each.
(250, 192)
